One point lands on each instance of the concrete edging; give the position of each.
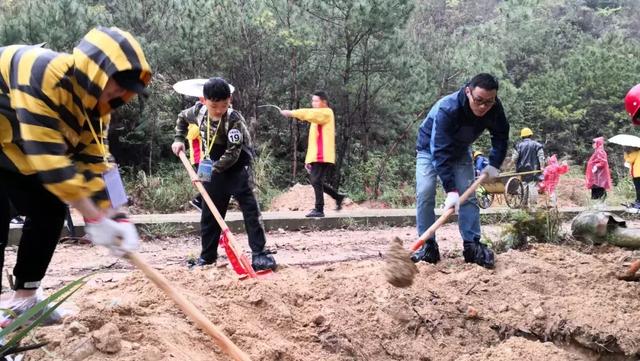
(165, 224)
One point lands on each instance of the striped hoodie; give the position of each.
(321, 147)
(48, 100)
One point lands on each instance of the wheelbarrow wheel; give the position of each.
(514, 193)
(485, 199)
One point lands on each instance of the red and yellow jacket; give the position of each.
(322, 144)
(49, 103)
(195, 144)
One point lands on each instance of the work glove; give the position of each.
(119, 236)
(452, 200)
(491, 171)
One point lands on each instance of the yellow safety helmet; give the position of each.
(526, 132)
(477, 153)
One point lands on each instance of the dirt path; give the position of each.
(330, 302)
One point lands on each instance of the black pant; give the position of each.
(636, 183)
(221, 188)
(45, 215)
(316, 177)
(598, 192)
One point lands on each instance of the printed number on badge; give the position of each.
(235, 137)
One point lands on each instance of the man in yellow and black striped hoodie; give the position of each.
(321, 148)
(54, 115)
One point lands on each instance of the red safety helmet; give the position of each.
(632, 104)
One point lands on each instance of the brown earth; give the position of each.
(302, 198)
(330, 301)
(570, 191)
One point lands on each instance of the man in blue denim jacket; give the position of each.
(444, 150)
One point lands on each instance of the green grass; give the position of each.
(623, 192)
(264, 171)
(168, 190)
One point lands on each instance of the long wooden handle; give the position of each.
(205, 196)
(189, 309)
(510, 174)
(216, 214)
(447, 213)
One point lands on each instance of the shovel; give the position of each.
(238, 260)
(399, 269)
(189, 309)
(447, 213)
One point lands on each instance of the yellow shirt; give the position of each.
(321, 145)
(633, 158)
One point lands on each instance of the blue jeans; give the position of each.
(426, 180)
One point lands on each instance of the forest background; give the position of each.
(564, 68)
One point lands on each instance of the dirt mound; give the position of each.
(521, 349)
(302, 198)
(347, 310)
(572, 192)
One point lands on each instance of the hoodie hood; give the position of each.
(99, 55)
(598, 143)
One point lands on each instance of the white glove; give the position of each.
(120, 237)
(491, 171)
(453, 200)
(594, 169)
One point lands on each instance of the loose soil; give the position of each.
(330, 301)
(302, 198)
(570, 191)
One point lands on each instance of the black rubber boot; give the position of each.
(263, 261)
(478, 253)
(429, 253)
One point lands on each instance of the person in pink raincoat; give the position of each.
(598, 175)
(552, 173)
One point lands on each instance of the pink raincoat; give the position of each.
(598, 162)
(552, 173)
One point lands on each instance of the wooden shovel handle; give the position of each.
(223, 225)
(447, 213)
(189, 309)
(205, 196)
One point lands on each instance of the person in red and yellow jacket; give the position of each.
(54, 118)
(321, 148)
